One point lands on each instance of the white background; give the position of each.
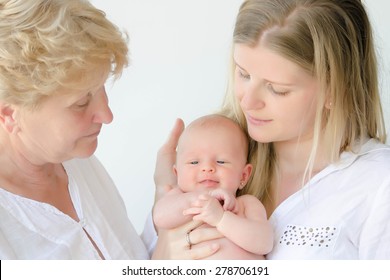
(179, 55)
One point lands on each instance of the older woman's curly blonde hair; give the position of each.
(48, 45)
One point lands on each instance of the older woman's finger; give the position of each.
(166, 157)
(173, 136)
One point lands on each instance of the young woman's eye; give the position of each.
(243, 75)
(272, 90)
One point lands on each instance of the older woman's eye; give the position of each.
(84, 102)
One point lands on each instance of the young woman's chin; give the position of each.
(260, 137)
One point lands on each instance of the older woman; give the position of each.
(56, 199)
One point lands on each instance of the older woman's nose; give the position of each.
(102, 112)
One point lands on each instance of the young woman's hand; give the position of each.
(174, 244)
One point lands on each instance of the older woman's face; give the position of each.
(65, 126)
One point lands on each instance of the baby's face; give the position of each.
(211, 157)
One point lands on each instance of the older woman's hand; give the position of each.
(166, 157)
(174, 244)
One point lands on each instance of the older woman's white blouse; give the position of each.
(35, 230)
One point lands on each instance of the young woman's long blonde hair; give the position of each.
(331, 40)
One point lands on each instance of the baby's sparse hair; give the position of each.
(218, 120)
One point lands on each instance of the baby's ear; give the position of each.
(246, 173)
(7, 117)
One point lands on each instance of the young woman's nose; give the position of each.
(102, 112)
(252, 98)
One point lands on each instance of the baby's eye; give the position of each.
(194, 162)
(220, 161)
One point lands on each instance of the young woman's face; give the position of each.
(65, 126)
(277, 96)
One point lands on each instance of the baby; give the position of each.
(211, 166)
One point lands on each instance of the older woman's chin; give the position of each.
(86, 151)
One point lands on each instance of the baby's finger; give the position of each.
(235, 209)
(204, 196)
(198, 203)
(190, 226)
(199, 217)
(227, 204)
(192, 211)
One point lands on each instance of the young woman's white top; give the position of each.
(342, 213)
(35, 230)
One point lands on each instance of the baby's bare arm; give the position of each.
(250, 229)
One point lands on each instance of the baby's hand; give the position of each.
(228, 200)
(207, 209)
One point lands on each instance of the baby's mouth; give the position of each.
(209, 183)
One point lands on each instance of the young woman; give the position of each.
(304, 85)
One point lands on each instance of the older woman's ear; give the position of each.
(7, 117)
